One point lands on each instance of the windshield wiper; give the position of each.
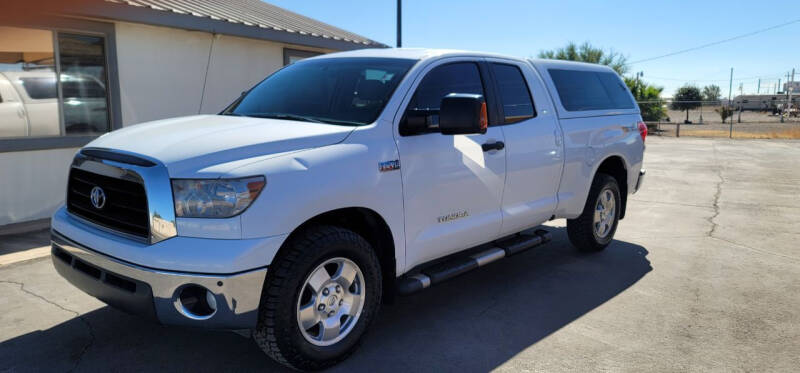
(282, 116)
(296, 117)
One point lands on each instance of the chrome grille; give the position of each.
(125, 209)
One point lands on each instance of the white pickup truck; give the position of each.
(342, 180)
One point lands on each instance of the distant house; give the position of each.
(73, 70)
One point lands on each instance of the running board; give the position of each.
(457, 266)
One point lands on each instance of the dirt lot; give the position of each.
(753, 125)
(703, 276)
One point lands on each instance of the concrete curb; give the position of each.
(30, 254)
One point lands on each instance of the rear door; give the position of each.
(452, 189)
(534, 150)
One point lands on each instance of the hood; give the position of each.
(188, 145)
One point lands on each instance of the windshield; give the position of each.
(346, 91)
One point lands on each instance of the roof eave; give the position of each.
(155, 17)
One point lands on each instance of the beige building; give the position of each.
(74, 73)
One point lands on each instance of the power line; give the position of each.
(768, 77)
(716, 42)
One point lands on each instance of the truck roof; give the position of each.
(570, 65)
(425, 53)
(413, 53)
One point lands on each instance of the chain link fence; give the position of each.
(764, 118)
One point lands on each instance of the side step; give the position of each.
(457, 266)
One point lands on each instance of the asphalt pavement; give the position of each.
(704, 275)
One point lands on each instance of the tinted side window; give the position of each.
(40, 88)
(617, 90)
(443, 80)
(460, 77)
(514, 94)
(590, 90)
(82, 88)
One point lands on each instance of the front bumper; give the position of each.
(155, 293)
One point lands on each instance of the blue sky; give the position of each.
(638, 29)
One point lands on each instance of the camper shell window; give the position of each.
(581, 90)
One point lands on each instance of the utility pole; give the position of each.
(790, 88)
(701, 109)
(786, 105)
(741, 104)
(730, 92)
(399, 23)
(758, 90)
(639, 88)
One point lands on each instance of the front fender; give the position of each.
(305, 184)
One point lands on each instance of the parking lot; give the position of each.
(704, 275)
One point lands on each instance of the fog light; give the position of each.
(196, 302)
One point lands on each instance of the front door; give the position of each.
(452, 188)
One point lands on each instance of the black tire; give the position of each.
(277, 332)
(581, 230)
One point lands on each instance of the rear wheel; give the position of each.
(594, 229)
(321, 293)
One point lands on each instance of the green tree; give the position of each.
(649, 99)
(725, 112)
(587, 53)
(711, 92)
(687, 98)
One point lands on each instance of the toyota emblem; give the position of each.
(98, 197)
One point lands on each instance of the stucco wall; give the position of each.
(32, 183)
(166, 72)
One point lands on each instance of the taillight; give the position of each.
(642, 130)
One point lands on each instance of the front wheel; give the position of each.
(594, 229)
(321, 293)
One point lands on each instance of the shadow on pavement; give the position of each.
(475, 322)
(12, 243)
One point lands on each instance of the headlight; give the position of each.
(215, 198)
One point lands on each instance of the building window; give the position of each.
(54, 88)
(83, 84)
(291, 56)
(28, 83)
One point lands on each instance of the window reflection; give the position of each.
(30, 82)
(28, 95)
(83, 84)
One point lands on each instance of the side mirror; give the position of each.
(462, 114)
(415, 122)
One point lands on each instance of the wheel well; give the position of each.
(615, 167)
(369, 225)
